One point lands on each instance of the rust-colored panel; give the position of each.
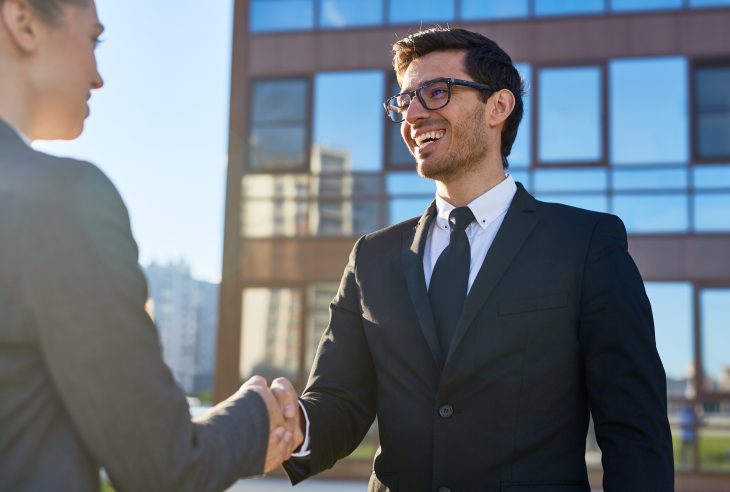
(678, 257)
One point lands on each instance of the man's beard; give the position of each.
(470, 136)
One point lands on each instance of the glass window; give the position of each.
(569, 125)
(320, 295)
(712, 212)
(715, 322)
(649, 179)
(269, 218)
(417, 11)
(569, 7)
(671, 305)
(406, 208)
(270, 333)
(347, 185)
(274, 186)
(629, 5)
(712, 177)
(348, 119)
(493, 9)
(713, 111)
(521, 176)
(521, 155)
(570, 180)
(408, 184)
(648, 111)
(652, 213)
(281, 15)
(399, 155)
(709, 3)
(350, 13)
(344, 217)
(588, 201)
(278, 125)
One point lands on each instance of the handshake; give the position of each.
(286, 422)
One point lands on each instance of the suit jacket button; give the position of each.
(443, 489)
(446, 411)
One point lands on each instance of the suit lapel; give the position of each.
(516, 227)
(414, 243)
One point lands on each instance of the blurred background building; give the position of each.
(186, 313)
(627, 111)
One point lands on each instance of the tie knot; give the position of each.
(460, 218)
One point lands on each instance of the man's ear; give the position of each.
(502, 105)
(21, 23)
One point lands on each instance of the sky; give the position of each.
(159, 126)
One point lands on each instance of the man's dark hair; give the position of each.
(50, 10)
(485, 62)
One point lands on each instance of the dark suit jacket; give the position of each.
(82, 381)
(557, 324)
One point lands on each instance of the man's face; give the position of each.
(65, 72)
(448, 142)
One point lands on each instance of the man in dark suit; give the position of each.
(483, 334)
(82, 380)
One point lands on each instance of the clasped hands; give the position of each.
(285, 418)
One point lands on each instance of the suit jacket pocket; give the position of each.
(549, 301)
(545, 486)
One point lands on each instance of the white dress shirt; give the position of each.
(489, 210)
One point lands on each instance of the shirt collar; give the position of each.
(486, 207)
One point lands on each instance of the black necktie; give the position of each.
(450, 278)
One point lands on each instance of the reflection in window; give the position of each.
(708, 177)
(570, 114)
(278, 125)
(715, 319)
(566, 7)
(649, 179)
(712, 212)
(350, 13)
(344, 217)
(281, 15)
(492, 9)
(347, 185)
(648, 110)
(270, 333)
(277, 185)
(403, 11)
(629, 5)
(671, 305)
(319, 297)
(521, 149)
(353, 130)
(588, 201)
(652, 213)
(570, 180)
(270, 218)
(713, 111)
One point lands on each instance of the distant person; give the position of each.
(82, 380)
(689, 423)
(483, 333)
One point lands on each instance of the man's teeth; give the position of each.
(425, 137)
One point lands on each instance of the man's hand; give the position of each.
(288, 400)
(280, 431)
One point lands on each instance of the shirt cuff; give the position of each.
(304, 449)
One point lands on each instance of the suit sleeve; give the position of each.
(625, 380)
(86, 294)
(340, 395)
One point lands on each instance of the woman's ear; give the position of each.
(21, 24)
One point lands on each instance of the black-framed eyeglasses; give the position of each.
(434, 94)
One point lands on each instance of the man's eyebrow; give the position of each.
(421, 84)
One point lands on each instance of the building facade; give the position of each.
(627, 111)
